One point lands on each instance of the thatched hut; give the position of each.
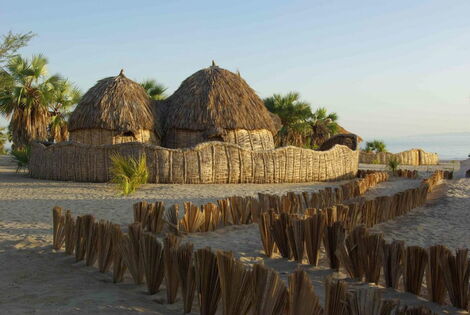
(215, 104)
(115, 110)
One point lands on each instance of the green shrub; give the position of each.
(393, 165)
(376, 146)
(21, 158)
(128, 173)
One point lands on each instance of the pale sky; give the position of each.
(386, 67)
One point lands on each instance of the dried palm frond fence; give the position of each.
(217, 279)
(411, 157)
(206, 163)
(245, 210)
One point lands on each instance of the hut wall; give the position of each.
(261, 139)
(410, 157)
(207, 163)
(103, 136)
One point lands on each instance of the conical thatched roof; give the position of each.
(114, 103)
(215, 98)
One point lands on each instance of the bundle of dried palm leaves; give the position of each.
(314, 229)
(171, 219)
(302, 297)
(152, 256)
(335, 297)
(434, 275)
(69, 233)
(186, 273)
(58, 228)
(264, 224)
(279, 234)
(141, 212)
(456, 271)
(211, 217)
(170, 257)
(193, 218)
(105, 245)
(83, 225)
(155, 217)
(414, 310)
(393, 261)
(296, 238)
(270, 294)
(235, 284)
(119, 267)
(416, 263)
(333, 236)
(92, 244)
(207, 280)
(373, 259)
(130, 250)
(352, 252)
(365, 301)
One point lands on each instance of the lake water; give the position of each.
(454, 146)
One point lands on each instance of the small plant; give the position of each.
(128, 172)
(21, 157)
(393, 165)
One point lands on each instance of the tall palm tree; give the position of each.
(155, 90)
(295, 116)
(63, 98)
(27, 99)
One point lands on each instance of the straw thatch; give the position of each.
(216, 104)
(115, 110)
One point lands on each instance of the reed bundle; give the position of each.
(82, 229)
(119, 267)
(69, 233)
(414, 310)
(302, 297)
(456, 271)
(170, 257)
(270, 294)
(141, 212)
(314, 230)
(296, 238)
(152, 257)
(193, 218)
(207, 280)
(332, 238)
(365, 301)
(130, 249)
(155, 217)
(279, 234)
(186, 273)
(58, 228)
(211, 217)
(239, 210)
(373, 259)
(434, 275)
(235, 284)
(171, 219)
(264, 225)
(92, 244)
(335, 297)
(416, 263)
(105, 245)
(224, 207)
(393, 260)
(352, 252)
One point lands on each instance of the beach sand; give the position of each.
(37, 280)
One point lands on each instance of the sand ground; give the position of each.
(37, 281)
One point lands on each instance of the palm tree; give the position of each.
(324, 125)
(295, 117)
(376, 146)
(155, 90)
(63, 98)
(27, 99)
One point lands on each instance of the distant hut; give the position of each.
(115, 110)
(215, 104)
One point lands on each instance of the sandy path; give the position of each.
(35, 280)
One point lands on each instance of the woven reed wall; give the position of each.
(207, 163)
(103, 136)
(261, 139)
(410, 157)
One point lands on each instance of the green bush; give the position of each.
(21, 158)
(393, 165)
(128, 173)
(376, 146)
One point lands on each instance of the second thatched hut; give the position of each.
(215, 104)
(115, 110)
